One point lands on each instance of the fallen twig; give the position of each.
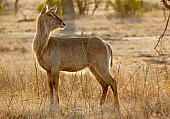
(25, 19)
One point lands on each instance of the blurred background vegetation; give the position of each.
(69, 8)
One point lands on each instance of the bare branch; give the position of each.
(164, 13)
(97, 3)
(162, 35)
(16, 6)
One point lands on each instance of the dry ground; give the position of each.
(143, 77)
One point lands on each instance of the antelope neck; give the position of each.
(41, 38)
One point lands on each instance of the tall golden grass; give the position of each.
(144, 93)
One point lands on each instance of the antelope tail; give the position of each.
(111, 55)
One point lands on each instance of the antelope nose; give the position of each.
(63, 25)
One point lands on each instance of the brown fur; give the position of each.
(56, 54)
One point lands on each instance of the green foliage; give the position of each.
(1, 8)
(126, 8)
(60, 4)
(39, 8)
(108, 4)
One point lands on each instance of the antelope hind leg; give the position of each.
(103, 84)
(110, 81)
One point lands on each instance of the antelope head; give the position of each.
(51, 21)
(165, 2)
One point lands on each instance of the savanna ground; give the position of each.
(143, 77)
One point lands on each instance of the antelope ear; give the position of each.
(44, 10)
(53, 9)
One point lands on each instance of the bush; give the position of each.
(60, 4)
(126, 8)
(1, 8)
(39, 8)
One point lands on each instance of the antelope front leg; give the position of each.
(50, 83)
(54, 109)
(56, 87)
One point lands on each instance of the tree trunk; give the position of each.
(16, 6)
(68, 9)
(69, 15)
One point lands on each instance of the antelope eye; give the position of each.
(50, 15)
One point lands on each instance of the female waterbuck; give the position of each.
(56, 54)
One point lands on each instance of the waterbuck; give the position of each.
(56, 54)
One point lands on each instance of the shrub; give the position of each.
(60, 4)
(84, 6)
(126, 8)
(40, 6)
(1, 8)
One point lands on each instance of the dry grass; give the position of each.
(143, 93)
